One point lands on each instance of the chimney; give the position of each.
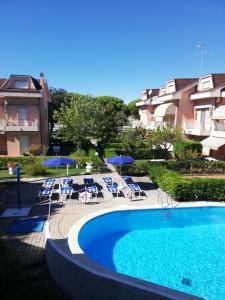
(42, 80)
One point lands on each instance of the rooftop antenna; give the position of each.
(202, 53)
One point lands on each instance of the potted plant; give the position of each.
(11, 165)
(89, 166)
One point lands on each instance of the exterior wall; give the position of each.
(13, 146)
(3, 144)
(146, 115)
(218, 154)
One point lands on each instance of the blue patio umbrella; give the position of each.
(58, 161)
(120, 160)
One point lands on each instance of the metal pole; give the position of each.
(18, 186)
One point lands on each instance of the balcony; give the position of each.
(198, 128)
(16, 125)
(155, 124)
(218, 130)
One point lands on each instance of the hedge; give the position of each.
(138, 153)
(181, 147)
(183, 189)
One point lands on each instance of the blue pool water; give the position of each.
(183, 249)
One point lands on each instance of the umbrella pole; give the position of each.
(67, 170)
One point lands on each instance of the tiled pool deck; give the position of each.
(29, 248)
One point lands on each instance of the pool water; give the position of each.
(179, 252)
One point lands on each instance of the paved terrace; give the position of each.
(29, 248)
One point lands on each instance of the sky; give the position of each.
(111, 47)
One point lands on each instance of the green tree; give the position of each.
(133, 138)
(57, 98)
(163, 138)
(132, 109)
(83, 117)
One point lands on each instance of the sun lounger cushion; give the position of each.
(127, 179)
(45, 192)
(112, 188)
(66, 190)
(67, 181)
(88, 181)
(134, 187)
(108, 180)
(92, 189)
(49, 182)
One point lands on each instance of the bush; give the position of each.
(135, 169)
(20, 160)
(110, 152)
(183, 189)
(114, 145)
(34, 169)
(181, 148)
(34, 149)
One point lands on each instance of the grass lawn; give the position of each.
(52, 172)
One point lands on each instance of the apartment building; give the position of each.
(23, 114)
(196, 105)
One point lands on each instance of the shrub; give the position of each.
(183, 189)
(34, 169)
(183, 148)
(20, 160)
(110, 152)
(34, 149)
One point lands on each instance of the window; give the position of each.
(170, 88)
(21, 84)
(162, 91)
(206, 84)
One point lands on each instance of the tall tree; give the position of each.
(83, 117)
(57, 98)
(132, 109)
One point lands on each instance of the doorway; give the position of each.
(22, 116)
(24, 143)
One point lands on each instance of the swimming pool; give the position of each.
(182, 248)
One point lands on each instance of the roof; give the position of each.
(5, 84)
(181, 83)
(218, 80)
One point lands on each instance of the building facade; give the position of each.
(195, 105)
(23, 114)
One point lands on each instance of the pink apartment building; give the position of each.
(23, 114)
(196, 105)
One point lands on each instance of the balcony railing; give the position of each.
(219, 127)
(198, 128)
(22, 125)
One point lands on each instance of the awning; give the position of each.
(219, 113)
(213, 142)
(165, 109)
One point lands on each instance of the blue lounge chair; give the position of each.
(48, 183)
(113, 189)
(67, 181)
(46, 192)
(66, 191)
(108, 180)
(92, 189)
(127, 179)
(88, 181)
(134, 188)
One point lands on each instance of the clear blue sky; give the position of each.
(110, 47)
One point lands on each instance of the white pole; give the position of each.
(67, 170)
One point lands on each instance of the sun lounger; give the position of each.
(66, 191)
(48, 183)
(127, 179)
(134, 188)
(92, 189)
(113, 189)
(108, 180)
(67, 181)
(88, 181)
(46, 192)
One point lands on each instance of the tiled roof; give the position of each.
(218, 80)
(184, 82)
